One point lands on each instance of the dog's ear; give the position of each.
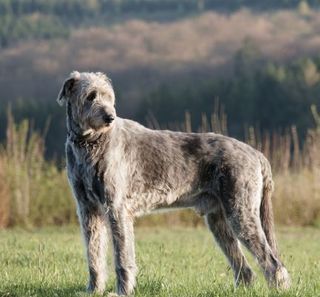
(108, 81)
(67, 87)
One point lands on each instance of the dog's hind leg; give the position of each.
(241, 206)
(121, 225)
(230, 246)
(248, 229)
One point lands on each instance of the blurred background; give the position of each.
(246, 68)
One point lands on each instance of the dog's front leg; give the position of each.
(94, 232)
(121, 225)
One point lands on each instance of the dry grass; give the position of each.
(296, 199)
(4, 196)
(33, 192)
(296, 169)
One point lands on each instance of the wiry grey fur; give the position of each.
(119, 169)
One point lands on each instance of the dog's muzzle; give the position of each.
(108, 119)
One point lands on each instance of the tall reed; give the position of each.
(34, 192)
(296, 168)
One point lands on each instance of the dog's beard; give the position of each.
(93, 131)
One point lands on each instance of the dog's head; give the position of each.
(90, 101)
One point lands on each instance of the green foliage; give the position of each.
(31, 26)
(172, 262)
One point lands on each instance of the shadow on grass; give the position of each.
(145, 288)
(148, 288)
(256, 291)
(42, 290)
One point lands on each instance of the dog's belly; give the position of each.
(144, 203)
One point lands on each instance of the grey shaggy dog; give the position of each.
(119, 169)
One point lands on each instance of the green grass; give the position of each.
(180, 262)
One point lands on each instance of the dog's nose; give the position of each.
(108, 119)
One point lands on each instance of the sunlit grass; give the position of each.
(179, 262)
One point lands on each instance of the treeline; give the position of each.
(13, 29)
(268, 96)
(80, 8)
(28, 19)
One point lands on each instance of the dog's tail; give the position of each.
(266, 212)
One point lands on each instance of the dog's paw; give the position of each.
(283, 281)
(95, 290)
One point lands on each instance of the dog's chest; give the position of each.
(90, 174)
(92, 182)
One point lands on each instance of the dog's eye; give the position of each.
(91, 96)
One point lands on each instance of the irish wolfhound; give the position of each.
(118, 170)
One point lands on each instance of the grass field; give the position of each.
(180, 262)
